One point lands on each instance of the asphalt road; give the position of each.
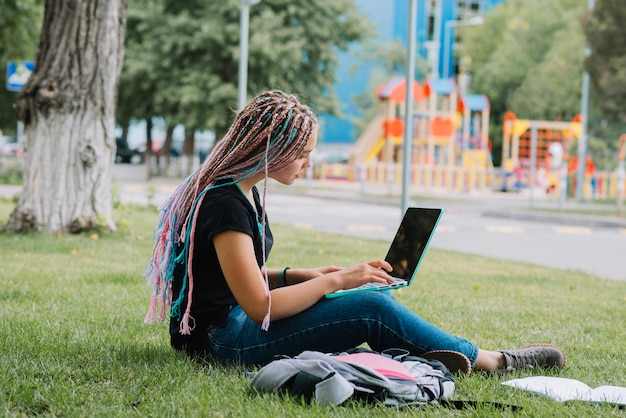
(466, 227)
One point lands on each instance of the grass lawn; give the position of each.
(73, 342)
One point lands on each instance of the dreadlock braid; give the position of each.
(267, 135)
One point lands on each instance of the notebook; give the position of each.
(406, 251)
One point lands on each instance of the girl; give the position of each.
(212, 243)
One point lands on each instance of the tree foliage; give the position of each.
(182, 57)
(20, 22)
(527, 58)
(606, 34)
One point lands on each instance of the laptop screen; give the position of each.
(411, 241)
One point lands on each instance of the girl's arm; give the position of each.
(235, 252)
(296, 275)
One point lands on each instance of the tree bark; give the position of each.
(187, 157)
(167, 148)
(68, 110)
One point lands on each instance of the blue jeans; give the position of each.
(333, 325)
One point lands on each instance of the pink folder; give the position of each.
(388, 367)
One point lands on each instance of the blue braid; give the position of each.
(183, 257)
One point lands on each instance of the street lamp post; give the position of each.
(244, 5)
(407, 148)
(584, 116)
(447, 42)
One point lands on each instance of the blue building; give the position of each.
(436, 21)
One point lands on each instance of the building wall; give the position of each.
(390, 17)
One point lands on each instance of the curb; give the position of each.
(563, 218)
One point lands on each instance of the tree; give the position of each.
(193, 49)
(551, 88)
(68, 110)
(606, 35)
(528, 58)
(141, 70)
(526, 47)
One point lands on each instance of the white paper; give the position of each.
(563, 389)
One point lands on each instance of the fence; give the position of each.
(602, 185)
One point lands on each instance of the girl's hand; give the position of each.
(371, 271)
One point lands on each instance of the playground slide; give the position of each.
(367, 141)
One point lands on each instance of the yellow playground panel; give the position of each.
(476, 158)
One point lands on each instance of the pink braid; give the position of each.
(185, 326)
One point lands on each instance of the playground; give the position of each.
(450, 143)
(451, 148)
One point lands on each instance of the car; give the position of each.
(9, 146)
(124, 154)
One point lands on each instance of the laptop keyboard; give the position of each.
(376, 285)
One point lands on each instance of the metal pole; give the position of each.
(446, 48)
(408, 113)
(20, 130)
(620, 186)
(437, 36)
(562, 184)
(621, 151)
(243, 52)
(584, 116)
(533, 161)
(448, 51)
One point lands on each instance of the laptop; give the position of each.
(406, 251)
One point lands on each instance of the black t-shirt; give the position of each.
(224, 208)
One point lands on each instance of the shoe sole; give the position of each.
(454, 361)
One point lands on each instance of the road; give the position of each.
(596, 250)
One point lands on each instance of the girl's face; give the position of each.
(290, 173)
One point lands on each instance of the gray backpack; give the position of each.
(392, 377)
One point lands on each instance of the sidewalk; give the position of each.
(523, 205)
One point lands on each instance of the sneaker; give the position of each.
(454, 361)
(534, 357)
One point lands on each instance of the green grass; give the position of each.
(73, 343)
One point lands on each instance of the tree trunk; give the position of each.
(68, 110)
(150, 157)
(187, 151)
(125, 129)
(167, 148)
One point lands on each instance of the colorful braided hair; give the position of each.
(266, 136)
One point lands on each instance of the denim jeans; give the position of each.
(333, 325)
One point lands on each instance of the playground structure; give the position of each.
(516, 139)
(549, 165)
(450, 132)
(382, 138)
(451, 149)
(520, 157)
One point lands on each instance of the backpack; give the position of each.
(392, 377)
